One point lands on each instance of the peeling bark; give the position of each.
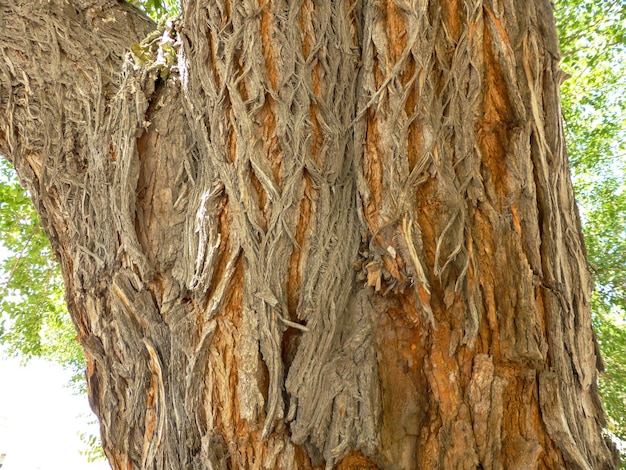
(312, 234)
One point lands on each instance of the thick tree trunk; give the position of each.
(299, 234)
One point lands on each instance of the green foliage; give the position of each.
(612, 338)
(593, 44)
(157, 9)
(92, 450)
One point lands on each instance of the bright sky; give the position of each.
(40, 418)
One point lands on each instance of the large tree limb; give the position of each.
(61, 65)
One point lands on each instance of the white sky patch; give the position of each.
(40, 418)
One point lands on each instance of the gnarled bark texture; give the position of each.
(299, 234)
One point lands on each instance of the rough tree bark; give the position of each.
(298, 234)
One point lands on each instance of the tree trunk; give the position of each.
(298, 234)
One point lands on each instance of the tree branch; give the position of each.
(58, 59)
(60, 66)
